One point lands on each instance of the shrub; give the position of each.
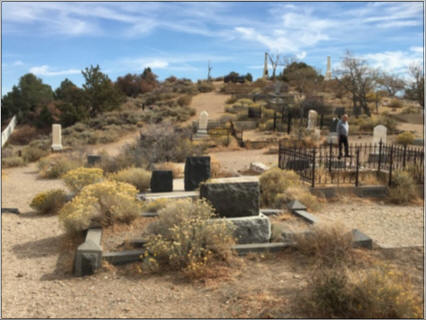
(184, 238)
(395, 103)
(23, 135)
(267, 125)
(55, 167)
(278, 187)
(138, 177)
(32, 154)
(13, 161)
(405, 138)
(376, 294)
(402, 189)
(49, 202)
(101, 203)
(80, 177)
(327, 245)
(184, 100)
(156, 205)
(177, 171)
(205, 86)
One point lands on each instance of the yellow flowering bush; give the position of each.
(103, 203)
(49, 202)
(138, 177)
(155, 205)
(80, 177)
(184, 238)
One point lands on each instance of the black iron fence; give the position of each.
(323, 165)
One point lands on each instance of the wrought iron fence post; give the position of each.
(330, 157)
(357, 167)
(275, 119)
(313, 173)
(289, 122)
(379, 155)
(391, 166)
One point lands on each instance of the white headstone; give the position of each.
(312, 119)
(380, 134)
(203, 121)
(56, 137)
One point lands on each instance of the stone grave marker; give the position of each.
(197, 170)
(202, 130)
(56, 137)
(161, 181)
(312, 119)
(379, 134)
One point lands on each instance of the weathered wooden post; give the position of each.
(391, 166)
(313, 173)
(379, 155)
(357, 167)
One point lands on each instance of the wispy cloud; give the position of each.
(44, 70)
(393, 61)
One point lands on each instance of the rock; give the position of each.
(161, 181)
(197, 170)
(233, 196)
(258, 167)
(251, 229)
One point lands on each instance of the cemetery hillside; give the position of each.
(295, 194)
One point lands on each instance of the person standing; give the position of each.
(342, 131)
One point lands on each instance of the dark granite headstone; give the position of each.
(161, 181)
(93, 159)
(197, 170)
(298, 164)
(233, 196)
(254, 112)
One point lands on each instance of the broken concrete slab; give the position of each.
(124, 257)
(361, 240)
(307, 216)
(271, 211)
(258, 167)
(10, 210)
(296, 205)
(170, 195)
(243, 249)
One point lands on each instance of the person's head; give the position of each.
(344, 117)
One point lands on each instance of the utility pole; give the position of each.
(209, 70)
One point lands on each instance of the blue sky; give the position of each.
(56, 40)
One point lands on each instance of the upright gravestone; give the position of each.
(333, 136)
(202, 130)
(379, 134)
(312, 119)
(56, 137)
(161, 181)
(197, 170)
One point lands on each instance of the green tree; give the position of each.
(24, 99)
(302, 76)
(100, 92)
(72, 103)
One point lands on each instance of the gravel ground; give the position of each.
(389, 226)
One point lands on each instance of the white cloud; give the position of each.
(393, 61)
(18, 63)
(301, 55)
(44, 71)
(156, 63)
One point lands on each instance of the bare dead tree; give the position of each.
(391, 83)
(358, 79)
(415, 89)
(209, 70)
(279, 60)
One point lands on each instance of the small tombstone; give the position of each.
(161, 181)
(312, 119)
(56, 137)
(379, 134)
(197, 170)
(92, 159)
(333, 127)
(203, 121)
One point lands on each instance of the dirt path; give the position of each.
(213, 102)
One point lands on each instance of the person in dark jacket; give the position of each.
(342, 131)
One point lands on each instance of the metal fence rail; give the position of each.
(323, 165)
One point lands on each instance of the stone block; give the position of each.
(296, 205)
(258, 167)
(197, 170)
(233, 196)
(251, 229)
(243, 249)
(89, 254)
(306, 216)
(361, 240)
(124, 257)
(161, 181)
(93, 159)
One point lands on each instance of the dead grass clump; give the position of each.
(375, 294)
(14, 161)
(177, 171)
(327, 245)
(278, 187)
(23, 135)
(184, 239)
(55, 167)
(402, 189)
(155, 205)
(138, 177)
